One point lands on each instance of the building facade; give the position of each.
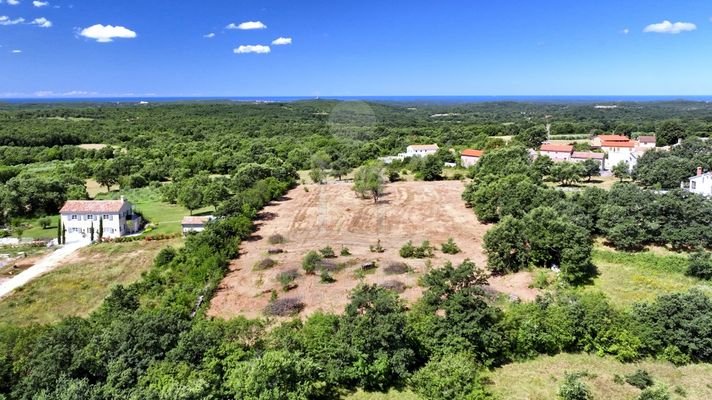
(557, 152)
(421, 150)
(470, 157)
(700, 183)
(195, 224)
(116, 217)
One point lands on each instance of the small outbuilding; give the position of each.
(195, 224)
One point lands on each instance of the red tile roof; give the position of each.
(557, 148)
(202, 220)
(629, 144)
(472, 153)
(646, 139)
(613, 138)
(92, 206)
(588, 155)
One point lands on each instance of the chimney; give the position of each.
(124, 200)
(699, 171)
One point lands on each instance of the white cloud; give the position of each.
(42, 22)
(280, 41)
(5, 20)
(259, 49)
(249, 25)
(106, 34)
(12, 2)
(625, 31)
(16, 51)
(669, 27)
(39, 4)
(209, 35)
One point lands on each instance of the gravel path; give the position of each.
(43, 266)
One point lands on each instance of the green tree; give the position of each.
(452, 377)
(340, 168)
(700, 265)
(621, 170)
(190, 197)
(369, 180)
(506, 246)
(669, 131)
(91, 232)
(430, 169)
(319, 166)
(532, 137)
(106, 174)
(101, 229)
(45, 222)
(591, 168)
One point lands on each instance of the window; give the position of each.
(90, 217)
(106, 216)
(74, 217)
(693, 185)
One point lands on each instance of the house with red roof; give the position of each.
(557, 152)
(116, 218)
(470, 157)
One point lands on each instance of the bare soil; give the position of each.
(313, 216)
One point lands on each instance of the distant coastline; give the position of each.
(384, 99)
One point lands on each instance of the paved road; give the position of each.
(42, 266)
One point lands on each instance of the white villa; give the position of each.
(414, 150)
(117, 218)
(195, 224)
(618, 151)
(701, 183)
(420, 150)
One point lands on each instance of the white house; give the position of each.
(701, 183)
(470, 157)
(117, 218)
(617, 151)
(421, 150)
(557, 152)
(195, 224)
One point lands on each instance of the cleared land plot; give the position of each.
(391, 395)
(539, 379)
(627, 278)
(333, 215)
(79, 285)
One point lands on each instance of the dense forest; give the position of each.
(152, 339)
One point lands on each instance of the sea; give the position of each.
(379, 99)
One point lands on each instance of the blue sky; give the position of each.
(395, 47)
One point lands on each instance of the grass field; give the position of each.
(79, 285)
(627, 278)
(539, 379)
(34, 230)
(147, 201)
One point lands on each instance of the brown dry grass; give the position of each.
(80, 284)
(333, 215)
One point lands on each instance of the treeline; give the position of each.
(546, 227)
(143, 344)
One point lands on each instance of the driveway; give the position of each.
(42, 266)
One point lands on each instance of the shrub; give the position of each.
(574, 389)
(453, 377)
(700, 266)
(276, 239)
(450, 247)
(675, 356)
(44, 222)
(286, 307)
(327, 252)
(640, 379)
(377, 248)
(394, 285)
(325, 277)
(311, 262)
(425, 250)
(286, 278)
(345, 251)
(656, 393)
(396, 268)
(264, 264)
(541, 280)
(329, 266)
(165, 256)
